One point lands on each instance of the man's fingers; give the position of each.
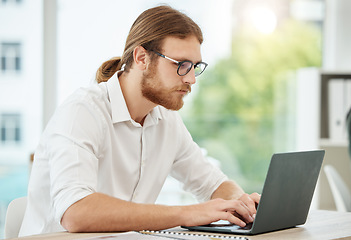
(236, 220)
(256, 197)
(236, 211)
(249, 202)
(240, 210)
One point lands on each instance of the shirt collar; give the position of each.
(119, 107)
(153, 117)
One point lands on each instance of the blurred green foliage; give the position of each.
(232, 113)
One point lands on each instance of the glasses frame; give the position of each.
(181, 62)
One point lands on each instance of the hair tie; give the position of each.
(122, 68)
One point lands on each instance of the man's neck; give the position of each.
(138, 105)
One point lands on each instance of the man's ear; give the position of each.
(141, 58)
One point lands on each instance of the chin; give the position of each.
(174, 107)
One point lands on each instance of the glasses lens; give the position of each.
(199, 68)
(184, 67)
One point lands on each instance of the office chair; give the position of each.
(14, 217)
(341, 193)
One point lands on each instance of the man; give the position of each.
(108, 149)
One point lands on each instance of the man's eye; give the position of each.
(185, 65)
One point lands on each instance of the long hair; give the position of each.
(149, 30)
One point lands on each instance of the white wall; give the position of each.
(337, 36)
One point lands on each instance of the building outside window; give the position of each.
(11, 1)
(10, 125)
(11, 57)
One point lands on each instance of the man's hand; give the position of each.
(235, 211)
(229, 190)
(251, 201)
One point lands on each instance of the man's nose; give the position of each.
(189, 78)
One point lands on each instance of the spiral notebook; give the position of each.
(162, 235)
(185, 235)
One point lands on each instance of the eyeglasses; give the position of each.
(185, 66)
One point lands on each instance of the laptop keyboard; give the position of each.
(228, 225)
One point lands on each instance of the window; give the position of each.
(11, 1)
(243, 108)
(10, 125)
(11, 57)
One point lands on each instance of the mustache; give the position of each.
(184, 87)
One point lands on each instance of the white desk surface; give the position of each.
(320, 224)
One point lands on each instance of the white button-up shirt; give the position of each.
(92, 144)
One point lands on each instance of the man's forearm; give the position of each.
(98, 212)
(228, 190)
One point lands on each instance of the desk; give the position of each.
(320, 225)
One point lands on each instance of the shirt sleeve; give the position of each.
(72, 148)
(199, 176)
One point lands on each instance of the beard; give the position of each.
(153, 89)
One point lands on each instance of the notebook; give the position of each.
(286, 196)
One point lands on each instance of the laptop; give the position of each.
(286, 196)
